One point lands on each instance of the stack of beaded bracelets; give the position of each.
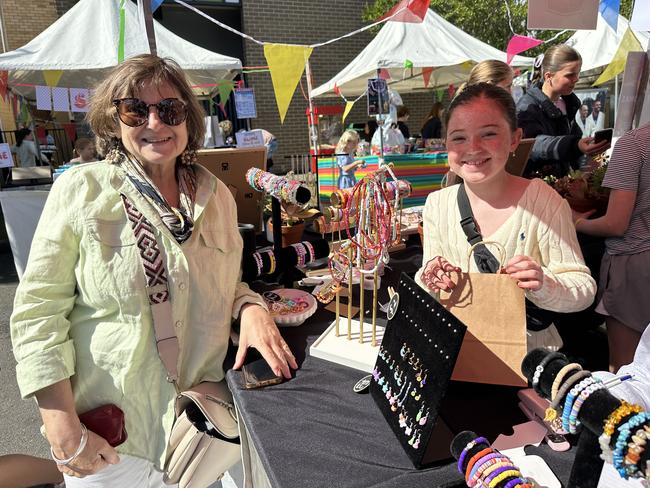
(259, 262)
(488, 468)
(302, 248)
(631, 440)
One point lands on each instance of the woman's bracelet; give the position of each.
(82, 445)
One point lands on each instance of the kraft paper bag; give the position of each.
(493, 308)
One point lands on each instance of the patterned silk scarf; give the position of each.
(179, 221)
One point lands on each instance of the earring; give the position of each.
(512, 154)
(416, 444)
(188, 157)
(423, 420)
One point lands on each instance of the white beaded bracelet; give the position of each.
(82, 445)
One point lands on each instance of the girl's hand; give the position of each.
(259, 330)
(437, 274)
(526, 271)
(589, 147)
(95, 456)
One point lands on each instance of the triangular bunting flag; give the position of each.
(286, 63)
(52, 76)
(4, 84)
(155, 4)
(628, 44)
(609, 10)
(348, 107)
(451, 89)
(426, 76)
(408, 64)
(336, 89)
(384, 74)
(519, 44)
(225, 89)
(440, 94)
(411, 11)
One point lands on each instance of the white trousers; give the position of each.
(134, 472)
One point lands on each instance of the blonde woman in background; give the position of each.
(490, 71)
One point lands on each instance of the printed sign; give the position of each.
(60, 100)
(245, 103)
(79, 98)
(560, 14)
(378, 99)
(43, 97)
(250, 138)
(6, 161)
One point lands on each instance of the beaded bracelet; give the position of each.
(570, 398)
(310, 248)
(502, 476)
(468, 447)
(482, 461)
(479, 455)
(516, 483)
(635, 449)
(82, 446)
(301, 253)
(272, 259)
(540, 368)
(609, 427)
(552, 412)
(624, 432)
(487, 467)
(490, 474)
(560, 376)
(575, 410)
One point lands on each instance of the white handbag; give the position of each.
(204, 442)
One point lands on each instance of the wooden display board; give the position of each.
(230, 166)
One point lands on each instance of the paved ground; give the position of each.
(19, 419)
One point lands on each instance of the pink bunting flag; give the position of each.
(519, 44)
(410, 11)
(4, 84)
(451, 90)
(384, 74)
(337, 90)
(426, 76)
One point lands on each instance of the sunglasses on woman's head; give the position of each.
(134, 112)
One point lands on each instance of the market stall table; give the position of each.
(313, 430)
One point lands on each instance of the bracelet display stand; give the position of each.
(595, 410)
(418, 353)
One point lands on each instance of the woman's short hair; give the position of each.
(498, 95)
(126, 80)
(347, 137)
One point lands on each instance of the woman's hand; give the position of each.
(96, 455)
(577, 216)
(259, 330)
(526, 271)
(437, 274)
(589, 147)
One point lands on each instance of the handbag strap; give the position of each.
(155, 276)
(485, 260)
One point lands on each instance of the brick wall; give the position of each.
(25, 19)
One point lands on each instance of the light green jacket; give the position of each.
(81, 310)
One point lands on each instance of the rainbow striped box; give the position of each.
(424, 172)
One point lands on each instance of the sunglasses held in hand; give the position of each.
(134, 112)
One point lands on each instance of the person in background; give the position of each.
(585, 123)
(625, 268)
(369, 130)
(85, 150)
(345, 161)
(432, 125)
(547, 112)
(271, 145)
(527, 217)
(226, 132)
(490, 71)
(25, 149)
(403, 114)
(82, 328)
(597, 117)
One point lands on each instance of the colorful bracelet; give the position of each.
(624, 433)
(273, 263)
(552, 412)
(609, 427)
(541, 366)
(479, 455)
(482, 461)
(258, 262)
(635, 449)
(468, 447)
(560, 377)
(312, 253)
(516, 483)
(575, 410)
(487, 467)
(570, 398)
(489, 476)
(502, 476)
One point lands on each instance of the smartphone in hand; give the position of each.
(258, 374)
(603, 135)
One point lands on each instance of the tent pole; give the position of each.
(148, 24)
(313, 135)
(615, 98)
(380, 122)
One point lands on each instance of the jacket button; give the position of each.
(179, 323)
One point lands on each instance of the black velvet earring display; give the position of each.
(417, 356)
(593, 414)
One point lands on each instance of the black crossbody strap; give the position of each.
(485, 260)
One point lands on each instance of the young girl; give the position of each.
(547, 113)
(345, 150)
(85, 150)
(527, 217)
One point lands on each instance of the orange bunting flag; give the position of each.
(409, 11)
(384, 74)
(426, 76)
(286, 64)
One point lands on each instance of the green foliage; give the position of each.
(486, 20)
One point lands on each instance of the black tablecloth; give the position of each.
(314, 431)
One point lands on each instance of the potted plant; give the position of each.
(583, 190)
(293, 223)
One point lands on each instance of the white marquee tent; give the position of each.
(84, 44)
(597, 47)
(434, 43)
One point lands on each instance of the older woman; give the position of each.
(82, 327)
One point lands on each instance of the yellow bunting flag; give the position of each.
(52, 76)
(628, 44)
(348, 107)
(286, 63)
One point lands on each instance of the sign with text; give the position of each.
(245, 103)
(6, 161)
(250, 138)
(560, 14)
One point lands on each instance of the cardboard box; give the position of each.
(230, 166)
